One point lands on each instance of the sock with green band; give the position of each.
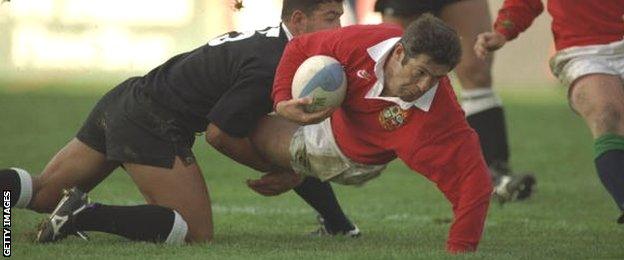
(607, 143)
(609, 160)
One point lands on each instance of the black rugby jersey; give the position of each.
(227, 81)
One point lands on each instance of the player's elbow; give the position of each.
(215, 137)
(485, 188)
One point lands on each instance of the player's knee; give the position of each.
(606, 119)
(484, 187)
(199, 228)
(199, 235)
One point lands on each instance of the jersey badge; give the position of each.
(393, 117)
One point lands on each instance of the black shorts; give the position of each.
(128, 127)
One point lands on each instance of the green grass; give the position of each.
(571, 216)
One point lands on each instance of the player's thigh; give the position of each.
(272, 138)
(469, 18)
(599, 99)
(181, 188)
(75, 165)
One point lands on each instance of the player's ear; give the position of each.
(399, 51)
(298, 20)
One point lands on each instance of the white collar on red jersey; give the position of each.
(289, 35)
(379, 53)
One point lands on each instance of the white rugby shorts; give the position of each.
(314, 153)
(572, 63)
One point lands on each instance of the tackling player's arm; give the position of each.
(239, 149)
(285, 105)
(513, 18)
(455, 163)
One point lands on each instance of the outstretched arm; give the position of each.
(454, 162)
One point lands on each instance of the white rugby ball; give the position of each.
(322, 78)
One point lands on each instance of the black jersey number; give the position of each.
(231, 37)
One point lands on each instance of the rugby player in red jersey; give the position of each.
(399, 104)
(589, 61)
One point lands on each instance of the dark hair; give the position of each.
(306, 6)
(431, 36)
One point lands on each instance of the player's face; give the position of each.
(326, 16)
(413, 79)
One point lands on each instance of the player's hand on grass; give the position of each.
(293, 110)
(273, 184)
(488, 42)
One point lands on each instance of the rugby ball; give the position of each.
(322, 78)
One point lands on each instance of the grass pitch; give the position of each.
(401, 214)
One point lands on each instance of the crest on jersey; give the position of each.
(393, 117)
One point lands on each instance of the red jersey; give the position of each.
(430, 135)
(575, 22)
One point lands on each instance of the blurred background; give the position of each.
(52, 42)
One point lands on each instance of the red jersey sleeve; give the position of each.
(516, 16)
(296, 52)
(455, 163)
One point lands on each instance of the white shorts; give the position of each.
(314, 153)
(572, 63)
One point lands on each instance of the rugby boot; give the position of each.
(324, 231)
(509, 186)
(61, 222)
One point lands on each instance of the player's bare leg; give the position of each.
(272, 137)
(469, 18)
(75, 165)
(75, 214)
(484, 110)
(599, 99)
(182, 189)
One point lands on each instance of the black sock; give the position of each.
(610, 167)
(490, 126)
(10, 181)
(321, 197)
(149, 223)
